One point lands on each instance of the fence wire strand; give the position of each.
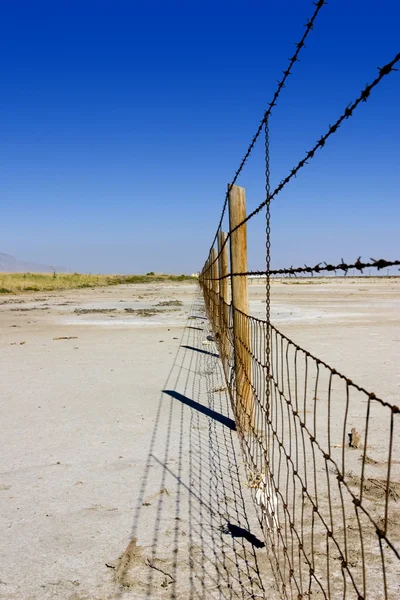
(321, 451)
(321, 267)
(327, 510)
(347, 113)
(281, 84)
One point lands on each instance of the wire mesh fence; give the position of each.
(322, 453)
(320, 462)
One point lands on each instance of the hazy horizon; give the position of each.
(122, 126)
(24, 267)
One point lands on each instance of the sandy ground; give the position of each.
(354, 326)
(95, 454)
(124, 432)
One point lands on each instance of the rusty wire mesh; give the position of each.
(320, 462)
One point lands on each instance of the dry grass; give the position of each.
(16, 283)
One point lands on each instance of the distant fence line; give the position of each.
(326, 491)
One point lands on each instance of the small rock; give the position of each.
(354, 438)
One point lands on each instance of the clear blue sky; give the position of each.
(122, 122)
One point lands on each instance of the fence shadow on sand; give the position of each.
(195, 534)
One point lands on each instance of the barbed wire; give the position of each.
(321, 267)
(281, 84)
(348, 112)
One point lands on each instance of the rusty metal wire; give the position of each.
(321, 267)
(321, 470)
(281, 84)
(348, 112)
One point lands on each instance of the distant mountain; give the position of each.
(11, 264)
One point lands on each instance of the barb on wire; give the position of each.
(321, 267)
(281, 84)
(332, 129)
(348, 112)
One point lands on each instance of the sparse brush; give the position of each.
(16, 283)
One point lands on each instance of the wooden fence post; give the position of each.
(240, 304)
(223, 270)
(209, 276)
(207, 286)
(215, 292)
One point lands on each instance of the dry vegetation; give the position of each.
(15, 283)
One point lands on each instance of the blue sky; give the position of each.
(122, 123)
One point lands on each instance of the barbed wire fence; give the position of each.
(329, 520)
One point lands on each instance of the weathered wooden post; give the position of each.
(240, 305)
(202, 283)
(215, 292)
(206, 285)
(223, 270)
(209, 287)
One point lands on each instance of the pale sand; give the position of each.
(94, 454)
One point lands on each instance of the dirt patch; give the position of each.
(170, 303)
(29, 309)
(369, 460)
(127, 564)
(131, 568)
(94, 311)
(375, 489)
(13, 301)
(147, 312)
(142, 312)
